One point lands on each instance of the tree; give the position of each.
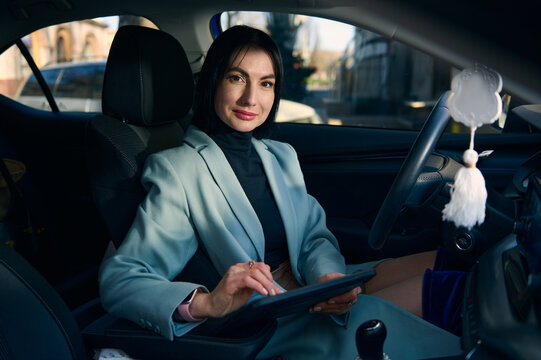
(283, 29)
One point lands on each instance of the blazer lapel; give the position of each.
(281, 194)
(230, 186)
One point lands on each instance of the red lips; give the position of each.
(245, 115)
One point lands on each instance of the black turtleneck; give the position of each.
(238, 149)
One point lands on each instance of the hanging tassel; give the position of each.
(474, 101)
(468, 194)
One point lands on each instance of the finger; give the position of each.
(252, 283)
(267, 283)
(336, 311)
(329, 276)
(235, 278)
(325, 308)
(239, 268)
(345, 298)
(264, 269)
(331, 304)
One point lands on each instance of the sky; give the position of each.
(333, 35)
(111, 21)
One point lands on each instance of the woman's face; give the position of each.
(245, 94)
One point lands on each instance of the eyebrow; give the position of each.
(244, 73)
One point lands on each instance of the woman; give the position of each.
(242, 199)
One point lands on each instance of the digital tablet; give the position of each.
(293, 301)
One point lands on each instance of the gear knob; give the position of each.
(369, 338)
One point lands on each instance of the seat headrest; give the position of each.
(148, 79)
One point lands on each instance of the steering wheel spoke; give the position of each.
(404, 183)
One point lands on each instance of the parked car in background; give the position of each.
(75, 87)
(295, 112)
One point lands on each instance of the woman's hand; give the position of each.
(339, 304)
(234, 290)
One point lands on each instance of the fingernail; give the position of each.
(317, 309)
(272, 292)
(332, 302)
(265, 292)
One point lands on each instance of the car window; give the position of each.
(81, 82)
(71, 57)
(32, 88)
(350, 76)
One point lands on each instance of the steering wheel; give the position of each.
(409, 172)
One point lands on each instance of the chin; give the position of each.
(246, 126)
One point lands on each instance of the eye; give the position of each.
(267, 84)
(235, 78)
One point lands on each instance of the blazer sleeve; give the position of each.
(136, 282)
(319, 253)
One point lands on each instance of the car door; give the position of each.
(350, 170)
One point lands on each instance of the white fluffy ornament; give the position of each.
(474, 102)
(468, 195)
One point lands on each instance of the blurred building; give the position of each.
(381, 76)
(70, 42)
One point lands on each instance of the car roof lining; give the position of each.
(434, 33)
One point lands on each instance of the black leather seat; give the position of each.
(147, 94)
(147, 90)
(36, 324)
(34, 321)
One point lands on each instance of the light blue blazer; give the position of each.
(194, 196)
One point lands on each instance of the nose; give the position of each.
(249, 95)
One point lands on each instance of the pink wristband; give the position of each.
(184, 312)
(184, 309)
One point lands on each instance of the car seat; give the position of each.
(34, 321)
(147, 93)
(148, 87)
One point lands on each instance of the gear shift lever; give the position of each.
(369, 338)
